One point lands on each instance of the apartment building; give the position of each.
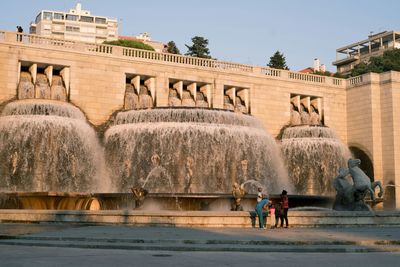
(76, 24)
(376, 44)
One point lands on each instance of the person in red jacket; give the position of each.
(285, 208)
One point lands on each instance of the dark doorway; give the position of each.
(366, 163)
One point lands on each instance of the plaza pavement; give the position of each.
(129, 237)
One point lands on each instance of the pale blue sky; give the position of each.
(241, 31)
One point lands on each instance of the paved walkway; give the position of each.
(360, 239)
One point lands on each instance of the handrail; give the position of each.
(31, 39)
(306, 77)
(355, 80)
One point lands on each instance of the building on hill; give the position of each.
(376, 44)
(76, 24)
(146, 39)
(318, 67)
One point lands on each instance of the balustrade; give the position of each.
(355, 80)
(29, 39)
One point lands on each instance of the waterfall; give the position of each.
(313, 156)
(47, 145)
(214, 142)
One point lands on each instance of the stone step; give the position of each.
(241, 219)
(188, 246)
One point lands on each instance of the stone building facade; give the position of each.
(363, 110)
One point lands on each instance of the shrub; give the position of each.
(131, 44)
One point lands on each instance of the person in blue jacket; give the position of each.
(262, 205)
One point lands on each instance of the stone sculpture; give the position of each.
(139, 194)
(349, 196)
(238, 193)
(189, 174)
(158, 180)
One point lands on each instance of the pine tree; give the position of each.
(198, 48)
(278, 61)
(171, 48)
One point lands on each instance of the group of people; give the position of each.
(278, 210)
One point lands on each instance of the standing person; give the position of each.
(285, 208)
(272, 215)
(260, 207)
(19, 30)
(278, 214)
(259, 194)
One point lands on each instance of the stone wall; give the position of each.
(363, 110)
(97, 83)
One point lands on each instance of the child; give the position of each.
(278, 214)
(272, 214)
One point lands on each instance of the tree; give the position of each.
(278, 61)
(390, 60)
(198, 48)
(130, 43)
(171, 48)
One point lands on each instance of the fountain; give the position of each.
(38, 139)
(197, 150)
(186, 156)
(313, 156)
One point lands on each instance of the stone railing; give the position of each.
(29, 39)
(355, 80)
(306, 77)
(302, 76)
(271, 72)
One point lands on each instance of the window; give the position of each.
(72, 29)
(101, 21)
(72, 17)
(86, 19)
(59, 16)
(38, 18)
(47, 16)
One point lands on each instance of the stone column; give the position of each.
(162, 90)
(49, 74)
(65, 76)
(179, 88)
(193, 89)
(231, 92)
(150, 83)
(218, 95)
(135, 81)
(206, 90)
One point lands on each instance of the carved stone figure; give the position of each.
(351, 196)
(189, 174)
(158, 180)
(139, 194)
(238, 193)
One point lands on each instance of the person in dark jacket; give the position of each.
(285, 208)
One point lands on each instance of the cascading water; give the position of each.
(57, 89)
(47, 145)
(42, 87)
(194, 150)
(26, 89)
(313, 156)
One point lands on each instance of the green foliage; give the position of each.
(339, 75)
(390, 60)
(198, 48)
(278, 61)
(130, 43)
(322, 73)
(171, 48)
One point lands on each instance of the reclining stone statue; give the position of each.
(351, 196)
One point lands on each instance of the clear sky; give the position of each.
(244, 31)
